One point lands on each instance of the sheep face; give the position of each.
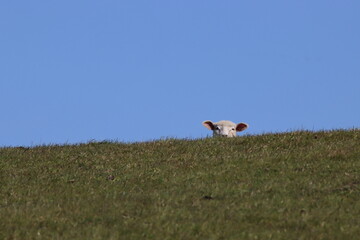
(225, 128)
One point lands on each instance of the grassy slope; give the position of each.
(298, 185)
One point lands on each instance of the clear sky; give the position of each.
(75, 71)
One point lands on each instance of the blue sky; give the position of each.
(75, 71)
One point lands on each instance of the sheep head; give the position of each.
(225, 128)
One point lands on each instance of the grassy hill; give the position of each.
(297, 185)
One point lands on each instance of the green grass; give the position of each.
(297, 185)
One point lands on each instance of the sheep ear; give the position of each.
(209, 125)
(241, 127)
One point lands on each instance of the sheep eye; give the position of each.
(217, 128)
(233, 129)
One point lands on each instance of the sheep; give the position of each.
(225, 128)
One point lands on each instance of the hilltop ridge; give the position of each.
(283, 186)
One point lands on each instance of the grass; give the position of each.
(296, 185)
